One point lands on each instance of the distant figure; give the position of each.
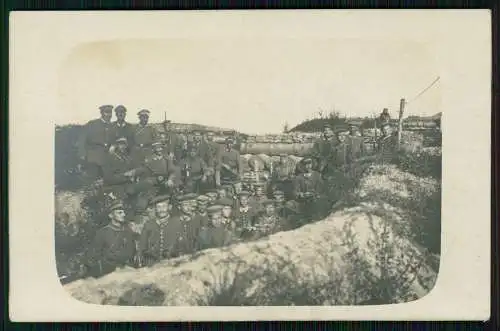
(216, 233)
(143, 136)
(387, 144)
(94, 142)
(323, 150)
(194, 170)
(384, 117)
(189, 225)
(230, 162)
(121, 128)
(113, 245)
(282, 175)
(308, 190)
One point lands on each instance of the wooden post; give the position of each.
(402, 104)
(376, 135)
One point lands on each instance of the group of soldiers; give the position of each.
(200, 192)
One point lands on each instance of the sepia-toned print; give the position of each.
(248, 172)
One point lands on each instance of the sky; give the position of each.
(251, 85)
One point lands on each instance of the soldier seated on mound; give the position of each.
(283, 174)
(268, 221)
(113, 246)
(159, 236)
(216, 234)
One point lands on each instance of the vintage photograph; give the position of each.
(248, 172)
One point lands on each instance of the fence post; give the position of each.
(400, 120)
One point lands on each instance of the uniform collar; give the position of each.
(121, 124)
(157, 157)
(116, 227)
(163, 221)
(105, 122)
(244, 209)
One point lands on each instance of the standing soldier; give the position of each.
(244, 216)
(95, 139)
(144, 135)
(384, 117)
(256, 174)
(268, 222)
(120, 127)
(156, 176)
(158, 238)
(323, 149)
(258, 196)
(282, 174)
(201, 210)
(210, 152)
(114, 245)
(387, 144)
(194, 170)
(355, 150)
(188, 225)
(118, 169)
(308, 189)
(230, 162)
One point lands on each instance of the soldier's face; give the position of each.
(269, 209)
(212, 196)
(201, 206)
(106, 115)
(158, 149)
(185, 207)
(279, 198)
(197, 137)
(222, 194)
(244, 201)
(162, 209)
(327, 133)
(216, 219)
(120, 116)
(210, 136)
(341, 138)
(258, 191)
(122, 147)
(143, 119)
(308, 167)
(237, 188)
(386, 130)
(118, 215)
(226, 211)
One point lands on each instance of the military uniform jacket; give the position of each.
(111, 248)
(283, 171)
(115, 166)
(125, 130)
(210, 153)
(158, 239)
(210, 237)
(196, 166)
(144, 136)
(95, 140)
(387, 147)
(187, 235)
(256, 202)
(312, 183)
(158, 168)
(244, 217)
(266, 225)
(355, 148)
(201, 219)
(232, 159)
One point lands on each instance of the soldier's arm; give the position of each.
(239, 164)
(144, 239)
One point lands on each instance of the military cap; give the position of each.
(224, 202)
(144, 112)
(115, 205)
(106, 108)
(278, 192)
(327, 126)
(121, 140)
(268, 202)
(187, 197)
(259, 184)
(229, 139)
(385, 124)
(160, 198)
(120, 109)
(244, 194)
(202, 198)
(307, 160)
(157, 143)
(214, 209)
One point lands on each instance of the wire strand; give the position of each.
(424, 90)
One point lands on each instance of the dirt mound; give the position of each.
(360, 254)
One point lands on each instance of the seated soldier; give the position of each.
(156, 176)
(216, 234)
(118, 170)
(113, 246)
(194, 170)
(308, 191)
(283, 174)
(158, 239)
(244, 215)
(268, 221)
(187, 234)
(258, 196)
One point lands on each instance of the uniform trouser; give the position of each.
(193, 185)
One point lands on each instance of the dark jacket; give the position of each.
(95, 140)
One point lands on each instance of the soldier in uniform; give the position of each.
(384, 117)
(94, 141)
(323, 149)
(144, 135)
(113, 246)
(219, 232)
(355, 149)
(212, 194)
(194, 170)
(282, 174)
(201, 210)
(189, 225)
(120, 127)
(268, 221)
(230, 162)
(118, 169)
(210, 150)
(256, 174)
(158, 238)
(258, 196)
(308, 190)
(387, 144)
(227, 213)
(244, 215)
(156, 176)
